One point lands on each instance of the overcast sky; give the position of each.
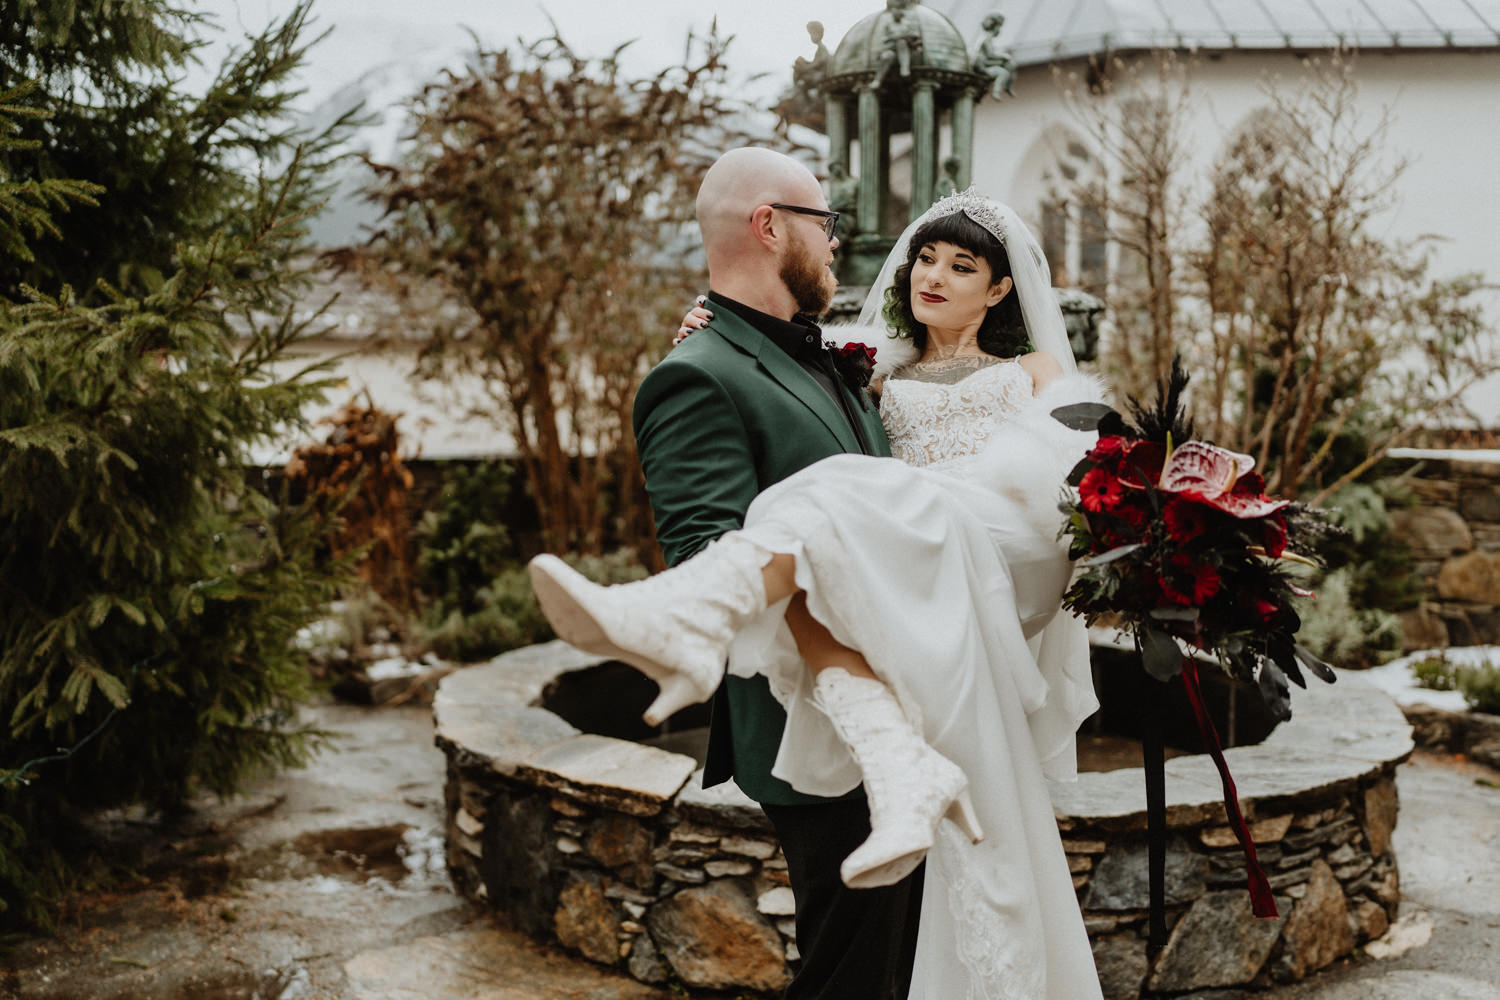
(768, 34)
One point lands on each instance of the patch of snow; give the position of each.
(395, 666)
(1412, 930)
(1448, 454)
(425, 853)
(317, 634)
(1396, 679)
(326, 885)
(300, 985)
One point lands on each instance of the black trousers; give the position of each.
(856, 944)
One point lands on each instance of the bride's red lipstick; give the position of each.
(929, 297)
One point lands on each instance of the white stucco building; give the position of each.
(1431, 66)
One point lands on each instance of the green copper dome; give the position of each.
(942, 46)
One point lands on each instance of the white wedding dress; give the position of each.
(942, 566)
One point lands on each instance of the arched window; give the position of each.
(1046, 189)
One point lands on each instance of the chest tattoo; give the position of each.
(946, 371)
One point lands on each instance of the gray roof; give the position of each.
(1039, 31)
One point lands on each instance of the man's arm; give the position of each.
(696, 455)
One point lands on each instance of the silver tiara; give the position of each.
(975, 206)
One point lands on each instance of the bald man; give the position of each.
(742, 404)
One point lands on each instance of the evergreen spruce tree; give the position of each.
(151, 258)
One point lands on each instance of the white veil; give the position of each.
(1029, 271)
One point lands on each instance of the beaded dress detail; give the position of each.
(930, 423)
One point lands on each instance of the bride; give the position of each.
(936, 669)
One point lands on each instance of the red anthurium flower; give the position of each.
(1185, 519)
(1100, 490)
(1142, 463)
(1209, 474)
(1188, 582)
(1274, 535)
(1266, 611)
(1249, 484)
(1203, 468)
(1244, 507)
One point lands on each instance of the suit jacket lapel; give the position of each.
(788, 373)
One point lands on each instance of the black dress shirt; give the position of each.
(802, 340)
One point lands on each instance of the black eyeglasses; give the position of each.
(830, 219)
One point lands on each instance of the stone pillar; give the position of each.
(923, 145)
(838, 131)
(871, 174)
(963, 135)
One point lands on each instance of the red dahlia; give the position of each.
(1185, 519)
(1100, 490)
(1187, 582)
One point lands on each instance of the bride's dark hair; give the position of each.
(1003, 332)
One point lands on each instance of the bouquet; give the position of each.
(1176, 541)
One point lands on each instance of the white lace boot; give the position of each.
(674, 627)
(909, 785)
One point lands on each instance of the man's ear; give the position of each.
(763, 226)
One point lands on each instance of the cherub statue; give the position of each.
(993, 62)
(900, 42)
(947, 182)
(843, 198)
(808, 74)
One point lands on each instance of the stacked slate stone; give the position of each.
(614, 849)
(1328, 860)
(606, 845)
(1454, 536)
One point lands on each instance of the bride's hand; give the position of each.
(696, 319)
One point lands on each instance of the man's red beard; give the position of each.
(809, 280)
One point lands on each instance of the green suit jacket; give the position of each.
(724, 416)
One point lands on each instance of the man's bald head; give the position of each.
(737, 183)
(777, 262)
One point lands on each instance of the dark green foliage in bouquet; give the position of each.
(149, 599)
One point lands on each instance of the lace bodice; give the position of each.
(930, 422)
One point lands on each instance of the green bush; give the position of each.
(1480, 686)
(478, 593)
(462, 542)
(1478, 683)
(505, 614)
(1434, 673)
(151, 598)
(1353, 619)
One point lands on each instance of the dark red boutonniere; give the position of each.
(1176, 542)
(854, 363)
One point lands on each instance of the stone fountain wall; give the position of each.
(1454, 535)
(613, 848)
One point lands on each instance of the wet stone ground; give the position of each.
(329, 883)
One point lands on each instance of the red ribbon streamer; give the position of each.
(1261, 902)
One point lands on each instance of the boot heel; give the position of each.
(961, 812)
(677, 692)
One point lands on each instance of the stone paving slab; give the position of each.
(1409, 985)
(482, 963)
(632, 777)
(1336, 735)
